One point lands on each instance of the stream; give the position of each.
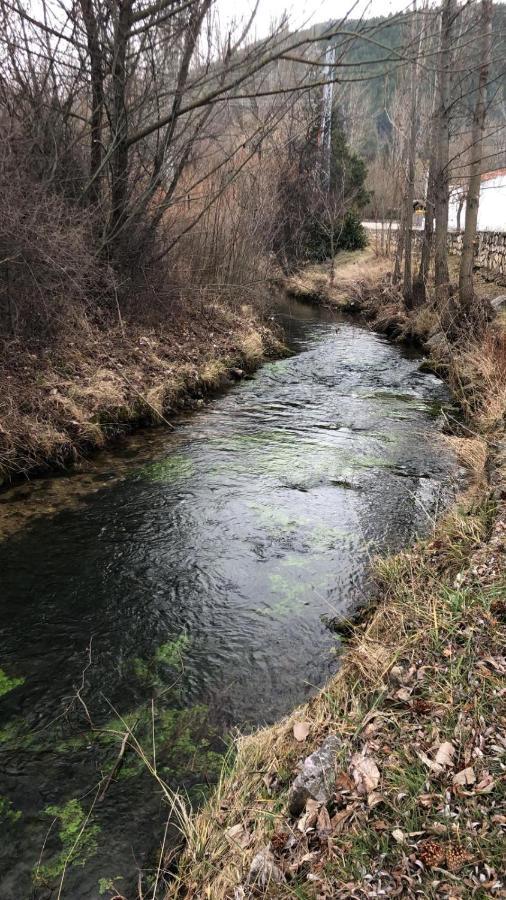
(180, 586)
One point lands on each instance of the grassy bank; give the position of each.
(79, 393)
(415, 806)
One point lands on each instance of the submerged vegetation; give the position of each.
(7, 683)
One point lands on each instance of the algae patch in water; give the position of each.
(172, 652)
(7, 812)
(8, 684)
(78, 836)
(170, 469)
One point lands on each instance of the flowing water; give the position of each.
(182, 584)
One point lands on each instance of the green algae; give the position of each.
(7, 812)
(172, 652)
(186, 734)
(275, 519)
(170, 469)
(8, 684)
(325, 537)
(78, 836)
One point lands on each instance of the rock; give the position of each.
(237, 373)
(317, 779)
(264, 871)
(437, 344)
(498, 303)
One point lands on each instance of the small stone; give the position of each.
(317, 779)
(498, 303)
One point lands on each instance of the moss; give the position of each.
(8, 684)
(78, 838)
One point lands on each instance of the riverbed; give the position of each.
(181, 586)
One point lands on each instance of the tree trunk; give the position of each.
(466, 289)
(459, 211)
(119, 136)
(420, 285)
(407, 287)
(441, 180)
(97, 97)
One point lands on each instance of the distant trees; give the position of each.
(451, 47)
(314, 218)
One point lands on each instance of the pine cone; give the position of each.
(431, 853)
(456, 858)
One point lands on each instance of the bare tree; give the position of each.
(466, 288)
(442, 144)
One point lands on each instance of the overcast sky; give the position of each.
(303, 12)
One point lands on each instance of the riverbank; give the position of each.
(405, 798)
(78, 394)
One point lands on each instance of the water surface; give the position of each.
(196, 568)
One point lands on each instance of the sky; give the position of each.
(303, 12)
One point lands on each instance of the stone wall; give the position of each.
(490, 253)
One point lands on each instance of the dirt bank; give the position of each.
(74, 395)
(410, 804)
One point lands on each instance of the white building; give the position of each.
(492, 209)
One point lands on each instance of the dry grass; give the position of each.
(96, 384)
(356, 272)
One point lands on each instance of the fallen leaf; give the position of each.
(301, 731)
(323, 824)
(433, 766)
(486, 785)
(338, 821)
(403, 694)
(239, 835)
(344, 782)
(466, 776)
(445, 754)
(398, 835)
(374, 799)
(308, 818)
(365, 773)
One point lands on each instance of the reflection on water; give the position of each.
(194, 568)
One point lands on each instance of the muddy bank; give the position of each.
(69, 397)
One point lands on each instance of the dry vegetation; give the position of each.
(354, 274)
(81, 393)
(417, 705)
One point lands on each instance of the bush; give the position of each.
(346, 234)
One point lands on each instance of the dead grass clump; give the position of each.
(355, 274)
(96, 384)
(477, 375)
